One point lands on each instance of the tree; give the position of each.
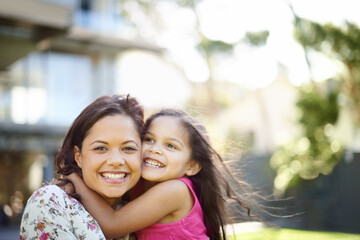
(317, 151)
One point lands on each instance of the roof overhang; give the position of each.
(33, 25)
(30, 138)
(36, 13)
(85, 41)
(25, 23)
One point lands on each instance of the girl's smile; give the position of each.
(152, 162)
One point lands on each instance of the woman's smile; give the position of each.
(114, 177)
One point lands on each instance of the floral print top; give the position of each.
(51, 214)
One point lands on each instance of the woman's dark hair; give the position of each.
(211, 182)
(102, 107)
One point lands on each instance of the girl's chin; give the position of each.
(150, 178)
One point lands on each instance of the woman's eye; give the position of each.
(100, 149)
(129, 149)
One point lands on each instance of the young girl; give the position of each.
(184, 187)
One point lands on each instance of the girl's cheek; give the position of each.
(144, 147)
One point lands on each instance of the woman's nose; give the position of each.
(116, 158)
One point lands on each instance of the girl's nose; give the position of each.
(155, 149)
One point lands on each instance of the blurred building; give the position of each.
(56, 56)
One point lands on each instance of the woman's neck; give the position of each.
(113, 202)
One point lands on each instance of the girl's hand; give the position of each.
(73, 177)
(77, 181)
(65, 184)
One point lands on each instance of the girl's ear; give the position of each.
(193, 168)
(77, 155)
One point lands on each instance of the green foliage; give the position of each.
(316, 152)
(317, 110)
(214, 47)
(257, 38)
(343, 43)
(187, 3)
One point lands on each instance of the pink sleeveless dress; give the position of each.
(189, 227)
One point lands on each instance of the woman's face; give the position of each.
(110, 158)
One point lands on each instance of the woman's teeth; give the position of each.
(153, 163)
(113, 175)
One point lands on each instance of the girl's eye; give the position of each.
(148, 140)
(100, 149)
(169, 145)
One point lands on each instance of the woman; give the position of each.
(103, 145)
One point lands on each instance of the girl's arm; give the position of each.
(164, 199)
(93, 202)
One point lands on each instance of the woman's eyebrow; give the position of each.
(98, 141)
(104, 142)
(131, 141)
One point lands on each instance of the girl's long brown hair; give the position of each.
(211, 182)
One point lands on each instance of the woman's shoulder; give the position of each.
(51, 199)
(51, 193)
(50, 189)
(50, 210)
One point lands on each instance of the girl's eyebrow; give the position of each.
(148, 132)
(171, 138)
(177, 140)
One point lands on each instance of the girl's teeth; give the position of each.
(113, 175)
(153, 163)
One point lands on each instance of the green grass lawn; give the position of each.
(291, 234)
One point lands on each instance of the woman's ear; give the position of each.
(193, 168)
(77, 155)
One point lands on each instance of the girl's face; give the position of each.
(110, 158)
(166, 151)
